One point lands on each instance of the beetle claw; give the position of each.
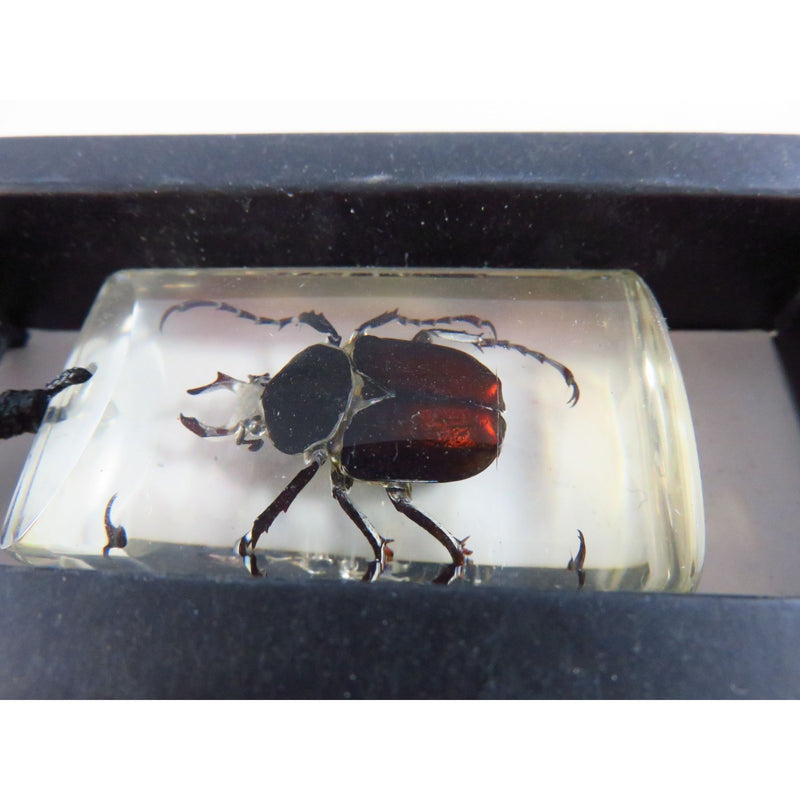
(464, 551)
(377, 567)
(577, 562)
(576, 392)
(250, 563)
(374, 570)
(201, 429)
(115, 534)
(448, 574)
(387, 554)
(245, 550)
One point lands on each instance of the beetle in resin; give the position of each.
(392, 412)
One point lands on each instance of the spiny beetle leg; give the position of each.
(240, 431)
(320, 323)
(400, 497)
(448, 574)
(579, 560)
(222, 381)
(380, 546)
(115, 534)
(452, 571)
(311, 318)
(247, 544)
(394, 316)
(566, 372)
(205, 431)
(482, 342)
(253, 445)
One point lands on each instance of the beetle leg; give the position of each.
(482, 342)
(566, 372)
(247, 544)
(395, 316)
(114, 533)
(401, 498)
(380, 546)
(222, 381)
(252, 425)
(205, 431)
(253, 445)
(311, 318)
(577, 562)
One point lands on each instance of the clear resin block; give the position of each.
(620, 465)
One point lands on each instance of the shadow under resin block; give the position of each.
(509, 408)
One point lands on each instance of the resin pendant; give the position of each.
(295, 422)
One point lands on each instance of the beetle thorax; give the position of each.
(305, 402)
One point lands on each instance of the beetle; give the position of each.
(392, 412)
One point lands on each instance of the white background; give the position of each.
(236, 67)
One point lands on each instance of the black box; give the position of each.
(712, 223)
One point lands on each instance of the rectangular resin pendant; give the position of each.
(393, 424)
